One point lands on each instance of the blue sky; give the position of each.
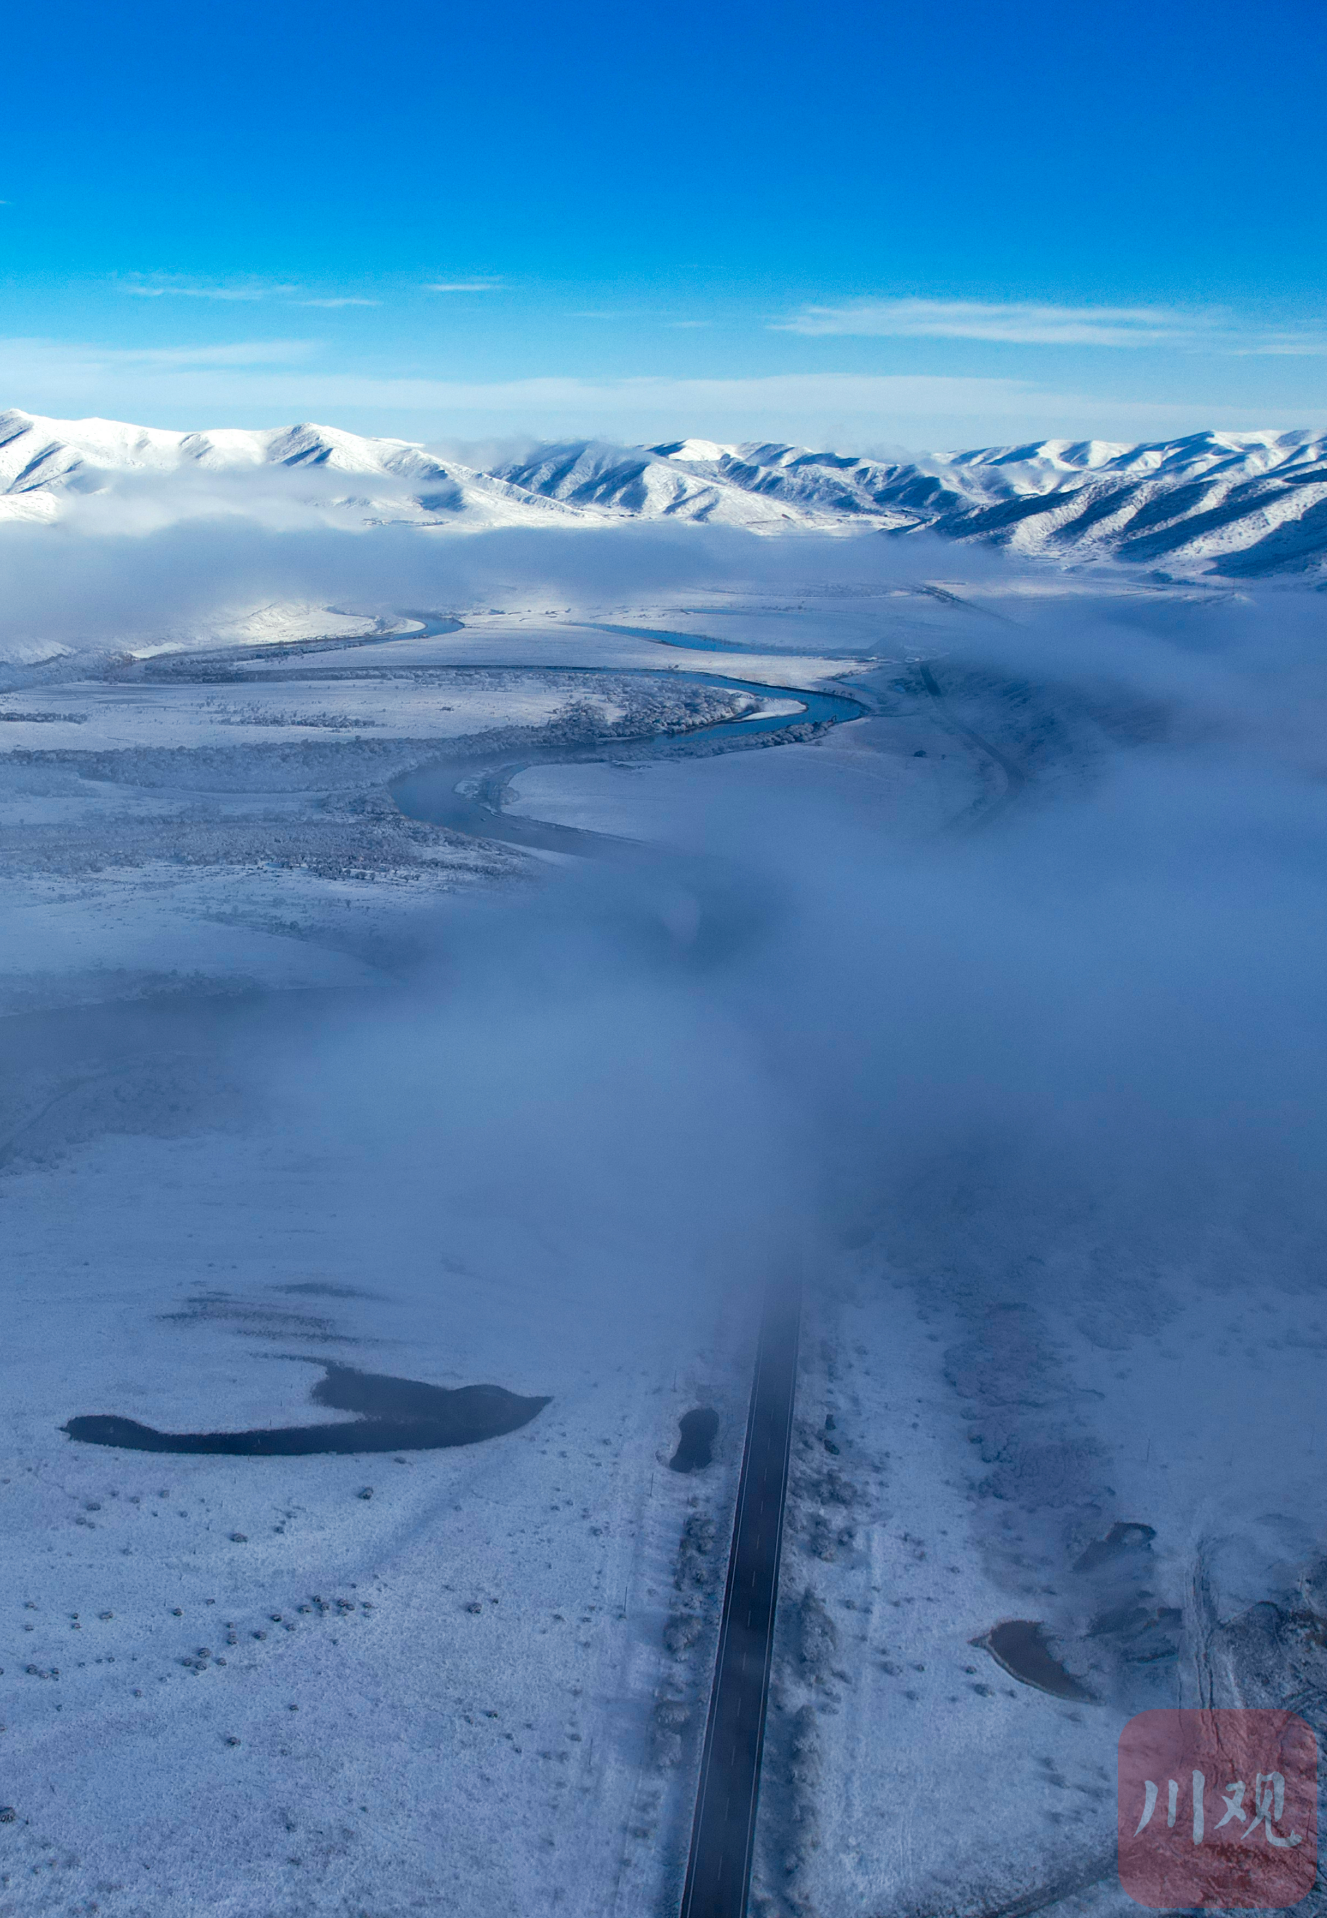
(856, 224)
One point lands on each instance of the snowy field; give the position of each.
(994, 1000)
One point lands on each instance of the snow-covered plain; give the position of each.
(991, 1000)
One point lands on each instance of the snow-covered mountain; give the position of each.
(1231, 503)
(1234, 503)
(45, 463)
(655, 483)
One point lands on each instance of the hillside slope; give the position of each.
(45, 463)
(1236, 504)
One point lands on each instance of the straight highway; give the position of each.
(718, 1876)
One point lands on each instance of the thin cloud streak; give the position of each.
(246, 290)
(462, 286)
(185, 290)
(28, 359)
(1030, 323)
(1018, 323)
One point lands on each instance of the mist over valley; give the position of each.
(442, 967)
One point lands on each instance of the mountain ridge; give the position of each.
(1233, 504)
(45, 462)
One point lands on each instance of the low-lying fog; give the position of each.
(1025, 1070)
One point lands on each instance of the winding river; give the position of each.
(468, 795)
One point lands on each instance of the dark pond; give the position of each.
(396, 1415)
(1019, 1647)
(695, 1448)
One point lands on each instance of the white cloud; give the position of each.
(71, 366)
(462, 286)
(167, 288)
(274, 382)
(1030, 323)
(1282, 346)
(1019, 322)
(244, 290)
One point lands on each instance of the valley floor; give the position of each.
(292, 1078)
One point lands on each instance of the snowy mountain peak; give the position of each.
(1234, 503)
(693, 452)
(44, 463)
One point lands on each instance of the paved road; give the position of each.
(719, 1869)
